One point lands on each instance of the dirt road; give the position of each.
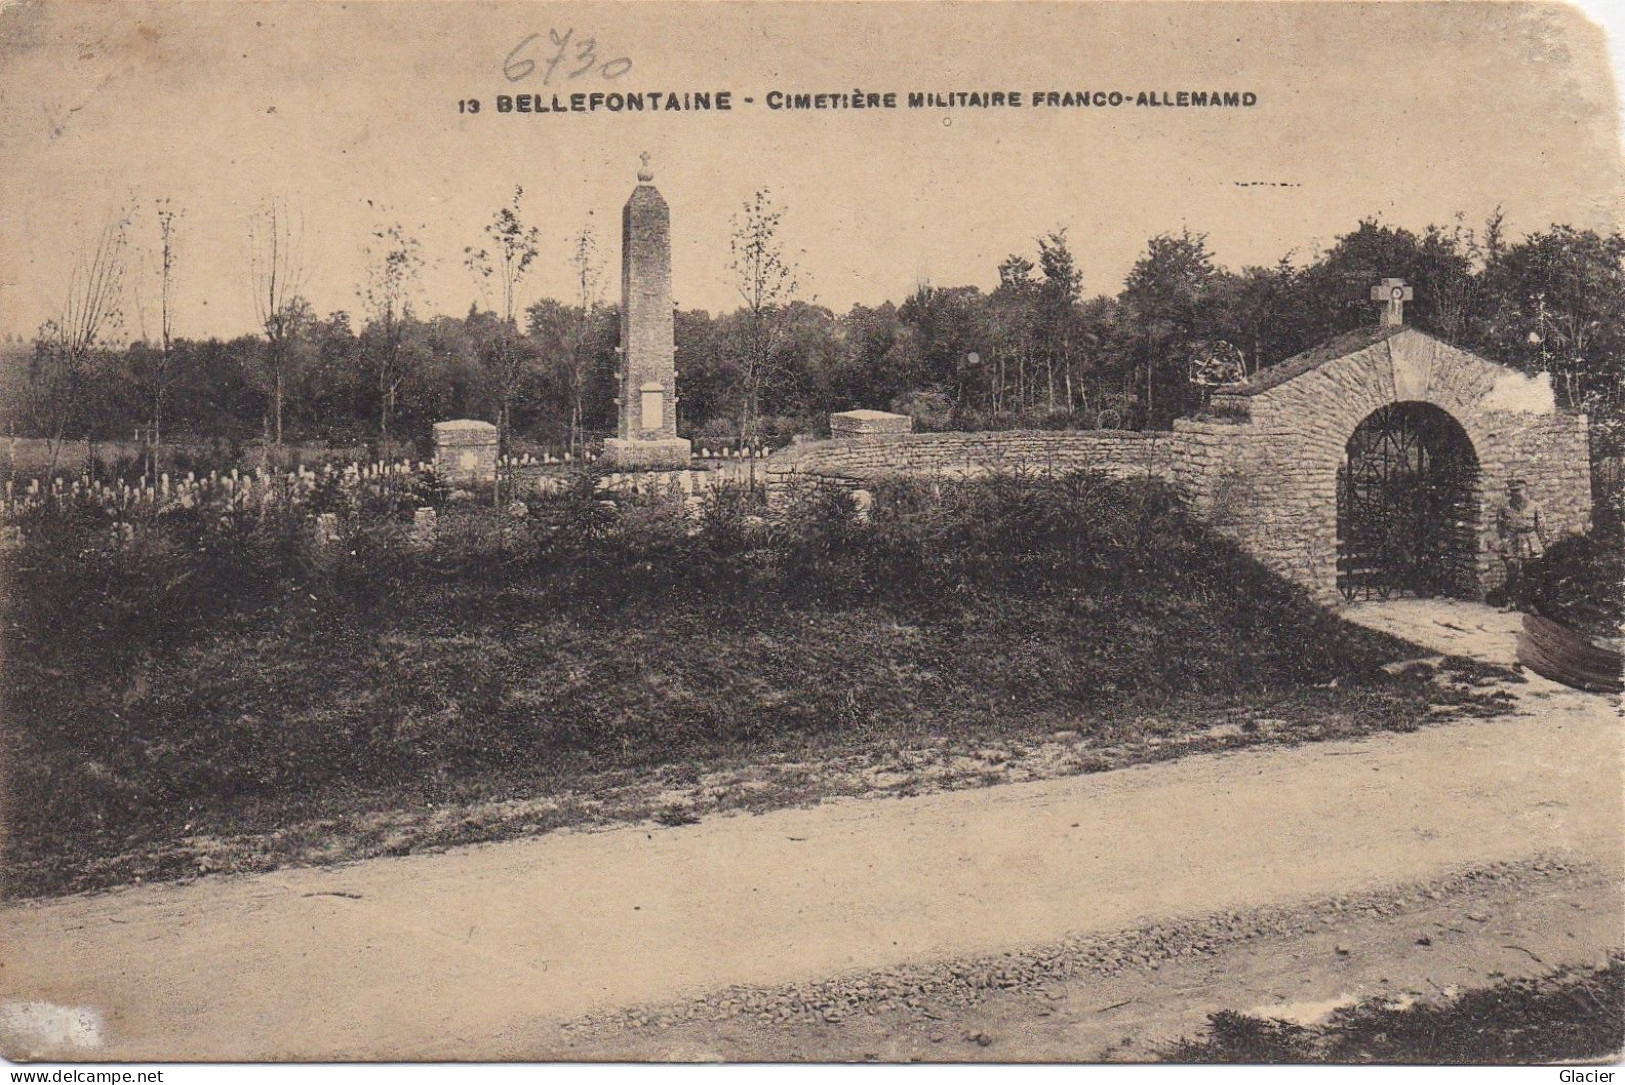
(462, 953)
(1127, 995)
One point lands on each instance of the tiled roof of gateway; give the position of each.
(1316, 356)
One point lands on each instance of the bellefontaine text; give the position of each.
(640, 101)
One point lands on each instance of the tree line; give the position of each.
(1038, 349)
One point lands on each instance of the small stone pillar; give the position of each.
(425, 529)
(465, 453)
(864, 423)
(862, 502)
(327, 530)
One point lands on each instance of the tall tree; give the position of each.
(1334, 293)
(945, 327)
(1013, 312)
(706, 377)
(1057, 316)
(1447, 279)
(511, 248)
(277, 274)
(67, 343)
(335, 387)
(1560, 308)
(167, 216)
(394, 263)
(1166, 293)
(587, 273)
(1253, 312)
(767, 281)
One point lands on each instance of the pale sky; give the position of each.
(1409, 111)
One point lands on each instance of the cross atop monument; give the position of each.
(645, 174)
(1392, 294)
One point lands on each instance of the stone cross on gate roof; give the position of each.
(645, 174)
(1392, 294)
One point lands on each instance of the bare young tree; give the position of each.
(511, 249)
(768, 282)
(277, 272)
(588, 271)
(167, 217)
(90, 311)
(394, 263)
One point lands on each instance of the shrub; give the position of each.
(931, 409)
(131, 580)
(1064, 419)
(718, 432)
(779, 428)
(818, 543)
(1579, 581)
(728, 562)
(210, 663)
(1573, 1014)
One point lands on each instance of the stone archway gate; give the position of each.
(1263, 468)
(1262, 463)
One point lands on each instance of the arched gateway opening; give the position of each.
(1407, 506)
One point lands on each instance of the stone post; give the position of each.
(327, 530)
(465, 453)
(862, 502)
(425, 529)
(866, 423)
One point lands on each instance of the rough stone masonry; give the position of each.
(1262, 465)
(465, 452)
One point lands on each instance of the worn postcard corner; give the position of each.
(888, 532)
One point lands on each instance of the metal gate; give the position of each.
(1407, 506)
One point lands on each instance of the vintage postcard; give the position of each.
(836, 532)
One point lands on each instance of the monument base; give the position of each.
(624, 455)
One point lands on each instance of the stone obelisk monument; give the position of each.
(648, 401)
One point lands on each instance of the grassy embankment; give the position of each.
(1572, 1014)
(212, 695)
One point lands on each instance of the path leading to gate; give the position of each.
(1452, 627)
(461, 953)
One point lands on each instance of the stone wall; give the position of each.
(1262, 469)
(858, 459)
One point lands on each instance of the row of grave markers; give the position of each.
(234, 486)
(241, 487)
(548, 459)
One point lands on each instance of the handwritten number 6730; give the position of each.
(518, 67)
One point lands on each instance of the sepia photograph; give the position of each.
(811, 532)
